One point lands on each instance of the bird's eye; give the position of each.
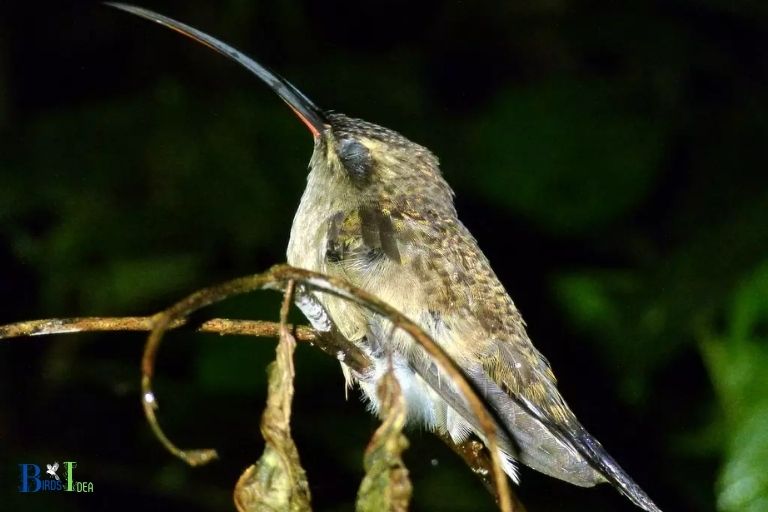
(355, 157)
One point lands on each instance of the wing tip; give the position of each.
(613, 472)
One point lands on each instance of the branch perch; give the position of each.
(221, 326)
(278, 278)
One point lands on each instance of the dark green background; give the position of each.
(610, 157)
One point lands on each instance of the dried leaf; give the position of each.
(386, 486)
(277, 482)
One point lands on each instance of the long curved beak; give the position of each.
(308, 112)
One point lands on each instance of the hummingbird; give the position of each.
(377, 212)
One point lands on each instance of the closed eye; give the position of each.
(356, 158)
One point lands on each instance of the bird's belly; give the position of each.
(424, 406)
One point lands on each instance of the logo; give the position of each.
(31, 481)
(52, 468)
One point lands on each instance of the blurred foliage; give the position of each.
(580, 144)
(610, 159)
(738, 363)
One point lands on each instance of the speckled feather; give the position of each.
(394, 231)
(404, 218)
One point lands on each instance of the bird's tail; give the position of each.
(594, 452)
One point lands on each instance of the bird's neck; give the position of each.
(324, 196)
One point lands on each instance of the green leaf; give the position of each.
(738, 364)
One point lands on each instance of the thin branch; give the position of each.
(475, 455)
(222, 326)
(275, 278)
(160, 323)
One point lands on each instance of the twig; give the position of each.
(222, 326)
(475, 455)
(275, 278)
(278, 277)
(163, 321)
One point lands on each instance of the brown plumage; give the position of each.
(377, 212)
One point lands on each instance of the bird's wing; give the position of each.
(531, 442)
(438, 255)
(361, 241)
(515, 371)
(538, 397)
(357, 238)
(518, 373)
